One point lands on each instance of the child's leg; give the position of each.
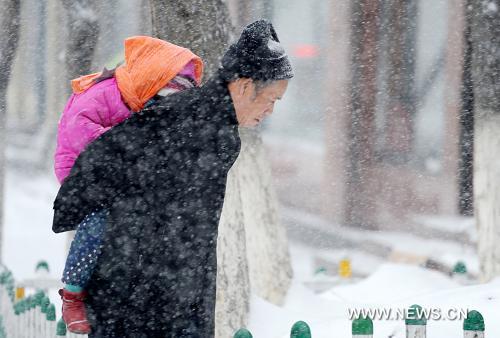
(84, 251)
(80, 264)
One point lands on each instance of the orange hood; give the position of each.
(149, 65)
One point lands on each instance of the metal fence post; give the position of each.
(362, 328)
(474, 325)
(61, 328)
(300, 330)
(416, 322)
(243, 333)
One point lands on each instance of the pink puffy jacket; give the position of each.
(150, 65)
(86, 116)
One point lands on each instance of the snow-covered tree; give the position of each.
(484, 20)
(9, 26)
(267, 246)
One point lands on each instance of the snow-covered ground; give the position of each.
(392, 286)
(28, 239)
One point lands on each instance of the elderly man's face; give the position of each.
(253, 104)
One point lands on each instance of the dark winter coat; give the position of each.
(162, 175)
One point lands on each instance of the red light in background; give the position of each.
(305, 51)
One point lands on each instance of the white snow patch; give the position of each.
(85, 13)
(445, 251)
(448, 223)
(491, 7)
(28, 236)
(392, 286)
(405, 281)
(275, 46)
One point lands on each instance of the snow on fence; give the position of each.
(473, 327)
(33, 316)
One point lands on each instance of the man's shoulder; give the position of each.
(182, 100)
(181, 111)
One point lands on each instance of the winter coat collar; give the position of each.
(213, 102)
(216, 93)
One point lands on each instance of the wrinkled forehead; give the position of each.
(276, 89)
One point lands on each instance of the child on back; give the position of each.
(99, 102)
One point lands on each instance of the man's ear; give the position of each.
(245, 85)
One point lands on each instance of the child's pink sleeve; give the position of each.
(86, 117)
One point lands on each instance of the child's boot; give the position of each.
(73, 311)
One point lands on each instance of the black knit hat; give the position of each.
(258, 55)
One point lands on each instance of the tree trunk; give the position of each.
(233, 285)
(466, 151)
(74, 48)
(453, 69)
(398, 104)
(252, 248)
(57, 85)
(269, 265)
(338, 113)
(9, 26)
(83, 32)
(202, 25)
(484, 19)
(360, 195)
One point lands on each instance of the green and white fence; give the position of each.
(33, 316)
(473, 327)
(299, 330)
